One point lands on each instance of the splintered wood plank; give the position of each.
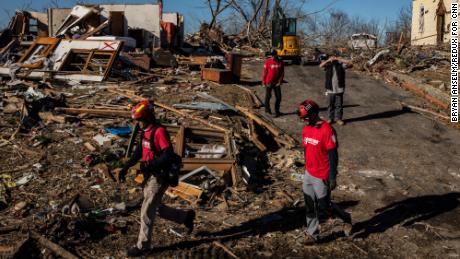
(186, 191)
(180, 141)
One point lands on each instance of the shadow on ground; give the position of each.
(406, 213)
(380, 115)
(284, 220)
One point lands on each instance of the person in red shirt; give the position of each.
(321, 159)
(272, 78)
(155, 151)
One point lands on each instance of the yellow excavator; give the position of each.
(284, 36)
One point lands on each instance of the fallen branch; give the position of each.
(57, 249)
(226, 249)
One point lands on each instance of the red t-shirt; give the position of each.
(273, 71)
(161, 141)
(317, 142)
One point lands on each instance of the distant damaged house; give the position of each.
(363, 41)
(430, 22)
(138, 21)
(82, 43)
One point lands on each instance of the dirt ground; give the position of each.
(401, 169)
(399, 177)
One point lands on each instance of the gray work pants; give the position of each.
(316, 202)
(335, 107)
(153, 192)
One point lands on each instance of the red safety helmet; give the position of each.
(307, 109)
(143, 110)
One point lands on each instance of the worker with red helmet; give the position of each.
(321, 160)
(155, 151)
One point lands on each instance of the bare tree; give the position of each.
(216, 7)
(401, 26)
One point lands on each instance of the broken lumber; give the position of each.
(221, 164)
(89, 147)
(57, 249)
(95, 112)
(251, 115)
(255, 138)
(48, 116)
(226, 249)
(129, 149)
(186, 191)
(8, 229)
(142, 79)
(423, 111)
(172, 109)
(428, 92)
(180, 141)
(279, 136)
(96, 30)
(254, 97)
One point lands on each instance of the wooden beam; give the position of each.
(97, 112)
(57, 249)
(252, 95)
(251, 115)
(255, 138)
(180, 141)
(186, 191)
(423, 111)
(235, 175)
(189, 164)
(172, 109)
(142, 80)
(48, 116)
(96, 30)
(129, 149)
(415, 85)
(226, 249)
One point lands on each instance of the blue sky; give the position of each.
(195, 10)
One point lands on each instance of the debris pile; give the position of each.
(65, 102)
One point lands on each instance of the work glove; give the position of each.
(120, 175)
(332, 184)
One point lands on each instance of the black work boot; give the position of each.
(134, 251)
(190, 218)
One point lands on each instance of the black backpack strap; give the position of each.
(152, 141)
